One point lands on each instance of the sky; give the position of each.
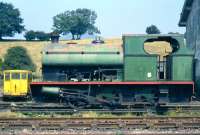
(115, 17)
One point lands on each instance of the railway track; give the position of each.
(60, 108)
(132, 125)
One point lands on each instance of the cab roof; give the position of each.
(15, 71)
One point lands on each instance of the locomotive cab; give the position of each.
(16, 83)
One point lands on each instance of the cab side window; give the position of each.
(15, 76)
(7, 76)
(29, 76)
(23, 76)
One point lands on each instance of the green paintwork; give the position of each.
(134, 44)
(137, 63)
(140, 68)
(79, 59)
(182, 67)
(74, 55)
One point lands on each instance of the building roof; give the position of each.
(185, 12)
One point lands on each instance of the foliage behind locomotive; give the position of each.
(86, 75)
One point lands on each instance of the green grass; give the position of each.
(182, 114)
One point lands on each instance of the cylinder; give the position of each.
(51, 91)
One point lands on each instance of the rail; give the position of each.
(131, 125)
(61, 108)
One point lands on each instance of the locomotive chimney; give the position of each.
(54, 38)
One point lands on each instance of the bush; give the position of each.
(17, 58)
(42, 36)
(1, 63)
(39, 35)
(30, 35)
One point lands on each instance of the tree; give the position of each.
(77, 22)
(42, 36)
(17, 58)
(152, 30)
(30, 35)
(10, 20)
